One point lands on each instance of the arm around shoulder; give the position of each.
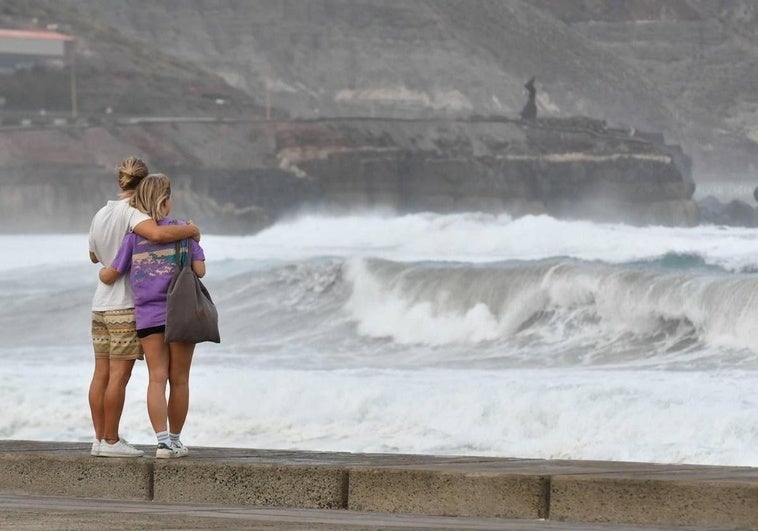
(150, 230)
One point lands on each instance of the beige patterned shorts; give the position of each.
(114, 335)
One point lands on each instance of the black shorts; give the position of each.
(144, 332)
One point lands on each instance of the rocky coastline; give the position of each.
(239, 176)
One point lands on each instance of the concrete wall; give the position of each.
(571, 491)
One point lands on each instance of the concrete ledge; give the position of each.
(308, 487)
(473, 487)
(648, 501)
(440, 493)
(56, 475)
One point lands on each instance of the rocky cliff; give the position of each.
(564, 167)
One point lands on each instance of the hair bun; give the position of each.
(130, 172)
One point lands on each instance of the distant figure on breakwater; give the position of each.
(529, 112)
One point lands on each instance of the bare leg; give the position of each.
(178, 377)
(115, 393)
(97, 395)
(157, 358)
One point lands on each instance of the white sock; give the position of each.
(163, 438)
(174, 438)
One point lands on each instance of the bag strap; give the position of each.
(181, 255)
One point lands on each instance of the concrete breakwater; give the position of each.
(559, 490)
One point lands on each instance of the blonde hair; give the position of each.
(151, 195)
(130, 172)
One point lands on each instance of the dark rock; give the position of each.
(740, 214)
(710, 210)
(735, 213)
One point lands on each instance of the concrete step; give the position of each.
(464, 487)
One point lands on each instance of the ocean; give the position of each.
(467, 334)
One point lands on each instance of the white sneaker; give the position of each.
(119, 449)
(165, 452)
(179, 449)
(95, 448)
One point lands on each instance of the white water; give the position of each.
(464, 237)
(326, 348)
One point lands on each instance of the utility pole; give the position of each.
(268, 96)
(74, 102)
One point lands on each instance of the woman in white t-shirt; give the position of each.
(114, 336)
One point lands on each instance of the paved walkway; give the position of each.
(46, 513)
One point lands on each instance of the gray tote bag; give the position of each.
(191, 316)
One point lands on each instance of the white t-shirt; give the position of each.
(107, 231)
